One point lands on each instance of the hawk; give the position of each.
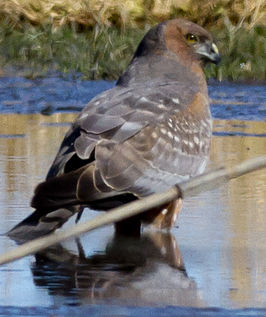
(149, 132)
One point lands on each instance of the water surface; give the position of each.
(215, 256)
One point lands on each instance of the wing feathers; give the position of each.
(84, 145)
(98, 123)
(142, 143)
(57, 191)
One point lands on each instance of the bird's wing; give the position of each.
(140, 139)
(117, 115)
(154, 159)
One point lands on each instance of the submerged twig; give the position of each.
(193, 186)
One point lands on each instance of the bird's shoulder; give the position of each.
(139, 104)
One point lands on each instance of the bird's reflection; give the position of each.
(136, 271)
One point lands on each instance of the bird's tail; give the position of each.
(55, 202)
(41, 222)
(59, 198)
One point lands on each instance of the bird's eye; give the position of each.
(192, 38)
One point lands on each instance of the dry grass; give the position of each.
(79, 35)
(132, 13)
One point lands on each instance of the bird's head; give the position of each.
(183, 38)
(174, 49)
(192, 38)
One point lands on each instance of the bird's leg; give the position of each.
(82, 254)
(162, 217)
(128, 227)
(166, 218)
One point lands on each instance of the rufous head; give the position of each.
(185, 39)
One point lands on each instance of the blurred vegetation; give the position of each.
(98, 38)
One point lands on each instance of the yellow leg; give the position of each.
(166, 218)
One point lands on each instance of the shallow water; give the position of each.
(214, 257)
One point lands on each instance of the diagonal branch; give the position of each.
(193, 186)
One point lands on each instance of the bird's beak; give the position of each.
(215, 56)
(208, 52)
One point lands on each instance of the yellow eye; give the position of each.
(191, 38)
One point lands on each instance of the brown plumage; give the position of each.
(149, 132)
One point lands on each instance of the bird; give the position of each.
(149, 132)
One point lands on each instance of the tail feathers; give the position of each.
(40, 223)
(56, 200)
(71, 189)
(57, 192)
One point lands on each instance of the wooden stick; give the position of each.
(191, 187)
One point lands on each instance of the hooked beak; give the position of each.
(208, 52)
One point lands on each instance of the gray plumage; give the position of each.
(151, 131)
